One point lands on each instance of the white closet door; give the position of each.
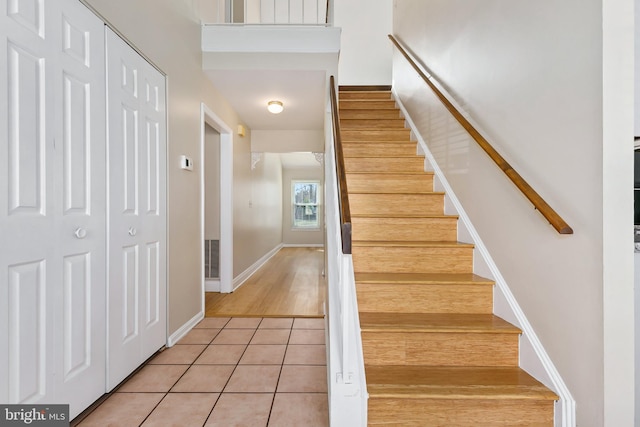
(52, 203)
(137, 209)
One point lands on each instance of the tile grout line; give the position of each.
(183, 374)
(275, 392)
(234, 369)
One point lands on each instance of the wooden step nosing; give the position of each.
(406, 216)
(393, 329)
(401, 175)
(359, 108)
(397, 215)
(424, 283)
(367, 156)
(420, 244)
(382, 278)
(373, 191)
(419, 168)
(460, 395)
(432, 193)
(370, 110)
(381, 142)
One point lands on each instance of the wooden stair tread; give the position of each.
(401, 215)
(431, 193)
(410, 244)
(368, 104)
(364, 93)
(438, 382)
(374, 119)
(422, 278)
(383, 142)
(435, 322)
(370, 113)
(374, 135)
(386, 174)
(369, 156)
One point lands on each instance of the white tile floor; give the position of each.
(229, 372)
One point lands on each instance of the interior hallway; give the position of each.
(290, 284)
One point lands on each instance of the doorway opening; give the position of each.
(216, 202)
(211, 162)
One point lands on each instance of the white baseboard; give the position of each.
(533, 357)
(212, 285)
(242, 277)
(184, 329)
(303, 245)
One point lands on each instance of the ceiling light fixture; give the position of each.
(275, 107)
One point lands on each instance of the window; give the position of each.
(305, 199)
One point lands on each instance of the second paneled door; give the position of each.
(137, 209)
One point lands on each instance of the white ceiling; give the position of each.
(301, 91)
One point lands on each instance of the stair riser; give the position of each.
(382, 183)
(372, 124)
(372, 135)
(361, 94)
(412, 260)
(459, 412)
(396, 204)
(440, 349)
(356, 104)
(421, 298)
(387, 165)
(391, 149)
(380, 113)
(404, 229)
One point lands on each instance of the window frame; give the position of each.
(317, 205)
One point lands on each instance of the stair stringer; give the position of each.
(533, 357)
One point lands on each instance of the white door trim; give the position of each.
(226, 198)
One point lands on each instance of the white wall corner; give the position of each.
(184, 329)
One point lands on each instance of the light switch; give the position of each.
(186, 163)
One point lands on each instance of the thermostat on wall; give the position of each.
(186, 163)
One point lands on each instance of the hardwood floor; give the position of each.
(289, 285)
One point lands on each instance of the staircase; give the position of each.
(435, 355)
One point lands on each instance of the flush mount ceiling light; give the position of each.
(275, 107)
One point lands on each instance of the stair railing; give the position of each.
(295, 12)
(343, 193)
(345, 364)
(538, 202)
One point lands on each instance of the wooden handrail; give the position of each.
(538, 202)
(343, 194)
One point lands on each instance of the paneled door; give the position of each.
(137, 209)
(52, 204)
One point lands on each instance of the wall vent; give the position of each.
(211, 259)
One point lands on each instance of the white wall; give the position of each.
(301, 237)
(531, 75)
(257, 213)
(365, 55)
(210, 11)
(287, 141)
(170, 38)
